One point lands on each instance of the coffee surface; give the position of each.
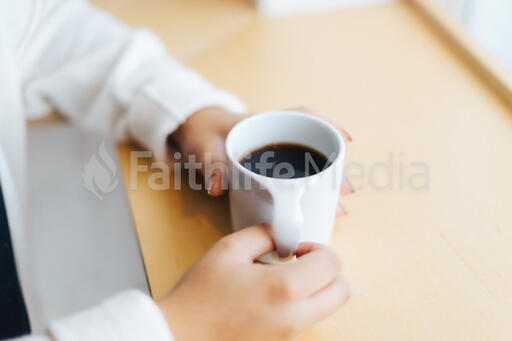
(285, 161)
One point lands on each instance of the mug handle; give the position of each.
(287, 220)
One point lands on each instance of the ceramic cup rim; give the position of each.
(269, 115)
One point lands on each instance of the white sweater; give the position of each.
(103, 75)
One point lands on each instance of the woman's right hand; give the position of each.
(229, 296)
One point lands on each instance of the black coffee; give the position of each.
(285, 161)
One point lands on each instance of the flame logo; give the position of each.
(100, 177)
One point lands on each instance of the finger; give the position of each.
(215, 184)
(346, 187)
(247, 244)
(217, 179)
(307, 247)
(232, 120)
(325, 302)
(344, 133)
(213, 159)
(341, 211)
(311, 272)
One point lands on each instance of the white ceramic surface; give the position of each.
(297, 210)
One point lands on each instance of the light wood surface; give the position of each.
(188, 27)
(434, 264)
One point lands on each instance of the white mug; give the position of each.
(298, 209)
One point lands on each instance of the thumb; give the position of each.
(214, 167)
(247, 244)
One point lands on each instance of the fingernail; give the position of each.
(341, 211)
(347, 186)
(216, 177)
(349, 138)
(350, 188)
(212, 181)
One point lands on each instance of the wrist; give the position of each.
(161, 304)
(176, 321)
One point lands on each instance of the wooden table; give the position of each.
(430, 264)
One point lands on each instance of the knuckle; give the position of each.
(282, 289)
(343, 294)
(226, 244)
(334, 261)
(290, 329)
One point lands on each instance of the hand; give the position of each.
(205, 132)
(227, 296)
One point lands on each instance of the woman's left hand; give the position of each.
(204, 135)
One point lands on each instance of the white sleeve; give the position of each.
(129, 316)
(32, 338)
(106, 76)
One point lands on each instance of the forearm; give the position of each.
(103, 75)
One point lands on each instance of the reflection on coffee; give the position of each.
(285, 161)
